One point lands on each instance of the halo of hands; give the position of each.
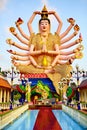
(61, 57)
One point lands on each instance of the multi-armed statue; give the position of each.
(44, 51)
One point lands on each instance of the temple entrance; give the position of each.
(42, 89)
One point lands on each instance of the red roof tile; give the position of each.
(4, 83)
(83, 84)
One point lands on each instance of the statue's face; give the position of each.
(44, 26)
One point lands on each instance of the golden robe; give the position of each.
(60, 71)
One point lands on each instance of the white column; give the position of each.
(82, 96)
(8, 95)
(85, 95)
(1, 95)
(4, 95)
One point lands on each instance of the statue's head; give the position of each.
(44, 21)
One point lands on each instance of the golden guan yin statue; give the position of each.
(44, 52)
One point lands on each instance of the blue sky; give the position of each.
(11, 10)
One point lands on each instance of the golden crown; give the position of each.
(44, 13)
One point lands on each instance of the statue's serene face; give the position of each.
(44, 26)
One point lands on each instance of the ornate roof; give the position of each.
(4, 83)
(83, 84)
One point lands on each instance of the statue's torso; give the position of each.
(50, 42)
(38, 43)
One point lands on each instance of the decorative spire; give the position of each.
(44, 9)
(44, 13)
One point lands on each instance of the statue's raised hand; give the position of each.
(37, 12)
(51, 12)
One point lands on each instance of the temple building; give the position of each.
(5, 89)
(83, 91)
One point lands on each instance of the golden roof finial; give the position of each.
(44, 13)
(44, 9)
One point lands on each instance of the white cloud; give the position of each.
(3, 4)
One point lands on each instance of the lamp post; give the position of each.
(12, 75)
(78, 74)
